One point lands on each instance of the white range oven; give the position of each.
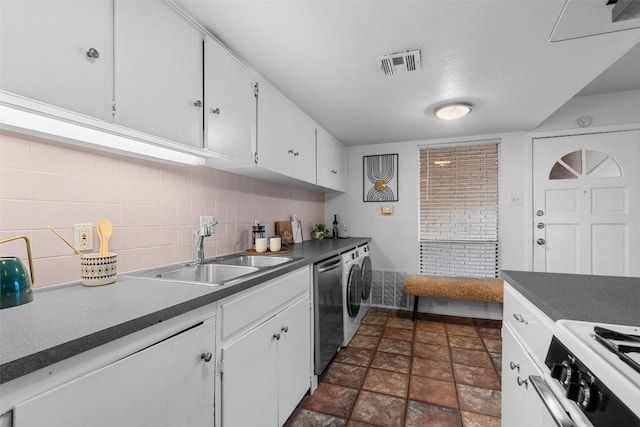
(592, 376)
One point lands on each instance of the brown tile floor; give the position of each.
(439, 371)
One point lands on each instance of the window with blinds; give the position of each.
(459, 210)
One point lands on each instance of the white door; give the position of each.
(586, 191)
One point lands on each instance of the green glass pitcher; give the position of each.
(14, 280)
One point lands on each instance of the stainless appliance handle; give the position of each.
(329, 267)
(551, 402)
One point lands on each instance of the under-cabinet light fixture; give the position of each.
(442, 162)
(453, 111)
(21, 120)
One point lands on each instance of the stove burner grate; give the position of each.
(617, 342)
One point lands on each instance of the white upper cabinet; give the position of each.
(285, 136)
(331, 160)
(158, 71)
(59, 52)
(230, 104)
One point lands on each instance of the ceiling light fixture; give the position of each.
(20, 120)
(453, 111)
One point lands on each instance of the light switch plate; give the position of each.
(515, 199)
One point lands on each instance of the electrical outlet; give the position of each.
(83, 236)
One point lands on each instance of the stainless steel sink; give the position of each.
(219, 271)
(211, 274)
(259, 261)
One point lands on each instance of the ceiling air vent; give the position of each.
(399, 62)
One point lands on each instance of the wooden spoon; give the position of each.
(104, 229)
(66, 241)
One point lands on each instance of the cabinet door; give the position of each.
(230, 104)
(167, 384)
(521, 405)
(285, 137)
(249, 378)
(331, 160)
(44, 53)
(302, 137)
(274, 151)
(294, 359)
(158, 71)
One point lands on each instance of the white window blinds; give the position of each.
(459, 210)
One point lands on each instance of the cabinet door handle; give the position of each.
(215, 111)
(92, 53)
(197, 104)
(284, 329)
(513, 366)
(276, 336)
(297, 153)
(519, 318)
(206, 356)
(334, 171)
(290, 151)
(523, 382)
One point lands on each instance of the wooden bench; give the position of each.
(484, 289)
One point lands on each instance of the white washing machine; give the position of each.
(351, 293)
(366, 273)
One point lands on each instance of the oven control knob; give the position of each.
(565, 373)
(584, 394)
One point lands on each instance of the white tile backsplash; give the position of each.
(154, 207)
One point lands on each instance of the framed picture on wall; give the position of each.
(380, 178)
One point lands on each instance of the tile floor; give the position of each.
(439, 371)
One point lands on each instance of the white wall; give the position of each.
(617, 108)
(395, 239)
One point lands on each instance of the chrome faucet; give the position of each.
(198, 240)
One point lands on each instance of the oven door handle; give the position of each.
(551, 402)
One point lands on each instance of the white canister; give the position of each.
(275, 243)
(261, 245)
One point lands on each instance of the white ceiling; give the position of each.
(495, 54)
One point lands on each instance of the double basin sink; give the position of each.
(217, 271)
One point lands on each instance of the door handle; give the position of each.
(540, 242)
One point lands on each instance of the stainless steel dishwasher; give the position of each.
(327, 310)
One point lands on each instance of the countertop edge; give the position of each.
(32, 362)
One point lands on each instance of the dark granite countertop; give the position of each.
(604, 299)
(66, 320)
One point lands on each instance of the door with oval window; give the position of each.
(586, 201)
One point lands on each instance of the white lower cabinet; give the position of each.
(266, 367)
(521, 405)
(170, 383)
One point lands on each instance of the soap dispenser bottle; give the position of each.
(335, 227)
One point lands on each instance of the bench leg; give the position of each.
(415, 307)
